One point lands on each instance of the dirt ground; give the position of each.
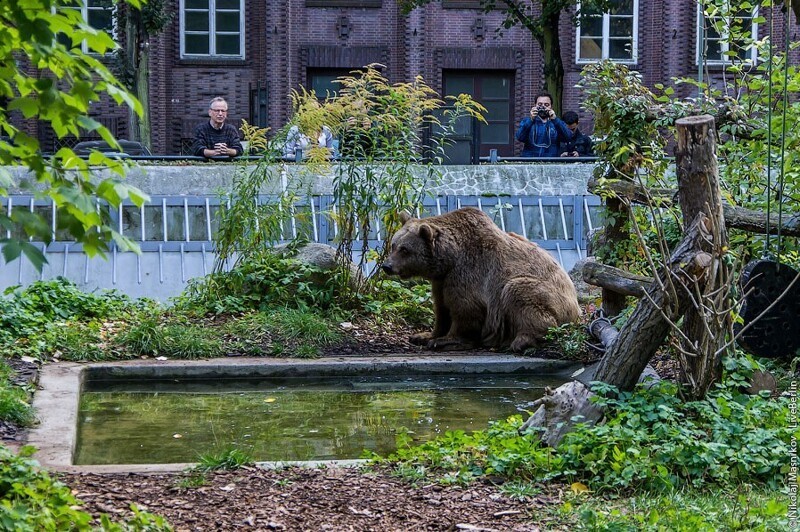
(336, 499)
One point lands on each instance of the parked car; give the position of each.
(127, 147)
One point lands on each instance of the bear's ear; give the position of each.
(427, 233)
(405, 216)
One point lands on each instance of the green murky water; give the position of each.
(287, 419)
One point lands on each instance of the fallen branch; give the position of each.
(612, 278)
(736, 217)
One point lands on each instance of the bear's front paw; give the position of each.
(421, 339)
(522, 342)
(450, 344)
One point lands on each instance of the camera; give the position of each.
(543, 112)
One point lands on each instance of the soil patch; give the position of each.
(337, 499)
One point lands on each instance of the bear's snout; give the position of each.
(387, 268)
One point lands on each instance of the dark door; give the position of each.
(494, 89)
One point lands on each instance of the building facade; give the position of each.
(254, 52)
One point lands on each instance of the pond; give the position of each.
(288, 418)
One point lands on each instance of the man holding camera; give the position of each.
(543, 131)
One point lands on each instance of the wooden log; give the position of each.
(707, 319)
(612, 278)
(648, 326)
(736, 217)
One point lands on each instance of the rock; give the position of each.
(325, 258)
(586, 293)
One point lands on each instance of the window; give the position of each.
(322, 80)
(494, 90)
(99, 14)
(725, 35)
(343, 3)
(212, 28)
(462, 4)
(609, 35)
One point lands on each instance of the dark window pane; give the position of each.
(228, 44)
(196, 21)
(100, 19)
(196, 4)
(591, 47)
(622, 7)
(455, 85)
(228, 21)
(714, 50)
(197, 44)
(495, 87)
(620, 48)
(323, 85)
(228, 4)
(495, 133)
(592, 27)
(497, 110)
(100, 3)
(621, 27)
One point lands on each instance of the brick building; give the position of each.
(254, 52)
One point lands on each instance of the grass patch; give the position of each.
(226, 459)
(14, 407)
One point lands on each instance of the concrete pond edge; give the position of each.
(57, 398)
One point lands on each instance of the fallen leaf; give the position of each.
(177, 436)
(579, 487)
(270, 400)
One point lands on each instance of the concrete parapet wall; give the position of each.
(504, 179)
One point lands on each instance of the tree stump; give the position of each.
(707, 320)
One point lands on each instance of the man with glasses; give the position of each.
(542, 132)
(215, 138)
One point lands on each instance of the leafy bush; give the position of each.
(33, 500)
(649, 440)
(266, 280)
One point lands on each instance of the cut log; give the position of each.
(558, 410)
(708, 319)
(620, 281)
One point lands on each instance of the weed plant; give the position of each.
(226, 459)
(33, 500)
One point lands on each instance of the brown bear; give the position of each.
(490, 288)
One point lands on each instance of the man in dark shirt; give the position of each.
(215, 138)
(580, 145)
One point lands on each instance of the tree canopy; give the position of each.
(46, 77)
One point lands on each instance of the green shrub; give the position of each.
(33, 500)
(649, 439)
(266, 280)
(14, 406)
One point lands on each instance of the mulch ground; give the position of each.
(336, 499)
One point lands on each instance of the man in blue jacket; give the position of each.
(543, 131)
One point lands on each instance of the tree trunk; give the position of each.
(614, 302)
(138, 56)
(551, 54)
(707, 320)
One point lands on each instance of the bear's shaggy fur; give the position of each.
(489, 287)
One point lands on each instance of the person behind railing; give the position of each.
(297, 141)
(215, 138)
(543, 131)
(580, 145)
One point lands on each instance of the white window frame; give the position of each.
(606, 34)
(83, 7)
(725, 60)
(212, 10)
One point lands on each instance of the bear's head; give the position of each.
(412, 249)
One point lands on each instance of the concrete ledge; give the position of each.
(58, 397)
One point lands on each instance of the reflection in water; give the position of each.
(288, 419)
